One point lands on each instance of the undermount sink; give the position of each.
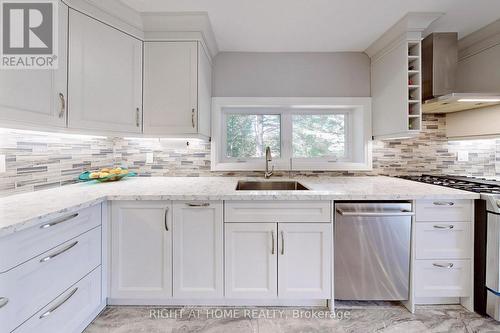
(270, 186)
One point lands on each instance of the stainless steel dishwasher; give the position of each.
(372, 251)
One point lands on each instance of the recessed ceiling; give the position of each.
(319, 25)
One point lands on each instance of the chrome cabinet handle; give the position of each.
(63, 105)
(64, 219)
(272, 242)
(3, 301)
(165, 219)
(450, 265)
(192, 117)
(282, 243)
(55, 307)
(64, 249)
(443, 203)
(137, 117)
(444, 226)
(387, 213)
(204, 204)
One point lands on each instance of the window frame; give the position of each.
(358, 122)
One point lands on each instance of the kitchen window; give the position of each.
(248, 135)
(302, 136)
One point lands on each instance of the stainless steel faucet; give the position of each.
(268, 173)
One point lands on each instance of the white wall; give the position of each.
(248, 74)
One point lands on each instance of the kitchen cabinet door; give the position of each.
(177, 88)
(105, 77)
(251, 260)
(141, 250)
(37, 98)
(198, 249)
(304, 260)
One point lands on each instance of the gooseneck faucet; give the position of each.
(268, 173)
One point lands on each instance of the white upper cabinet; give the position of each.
(37, 98)
(105, 77)
(396, 77)
(177, 88)
(396, 91)
(198, 249)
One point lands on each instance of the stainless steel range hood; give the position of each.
(439, 66)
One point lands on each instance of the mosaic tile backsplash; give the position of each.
(37, 161)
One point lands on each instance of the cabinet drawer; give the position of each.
(71, 311)
(451, 240)
(32, 285)
(442, 278)
(277, 211)
(444, 210)
(24, 245)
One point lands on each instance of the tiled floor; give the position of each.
(385, 317)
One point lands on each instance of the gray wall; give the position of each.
(479, 60)
(248, 74)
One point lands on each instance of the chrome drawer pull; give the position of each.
(165, 219)
(380, 214)
(272, 242)
(282, 243)
(3, 301)
(450, 265)
(444, 226)
(55, 307)
(52, 256)
(204, 204)
(443, 203)
(64, 219)
(63, 105)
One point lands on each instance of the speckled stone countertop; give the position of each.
(22, 211)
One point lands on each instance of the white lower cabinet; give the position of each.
(71, 311)
(442, 278)
(449, 240)
(141, 250)
(33, 284)
(442, 265)
(53, 282)
(304, 264)
(198, 249)
(278, 260)
(251, 260)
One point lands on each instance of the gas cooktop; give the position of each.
(478, 185)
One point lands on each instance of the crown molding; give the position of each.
(114, 13)
(479, 41)
(180, 26)
(175, 26)
(411, 25)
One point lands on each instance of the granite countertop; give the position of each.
(21, 211)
